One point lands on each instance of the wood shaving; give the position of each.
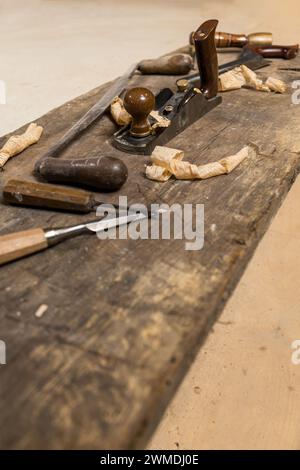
(119, 113)
(162, 156)
(157, 173)
(276, 85)
(242, 76)
(161, 121)
(165, 165)
(231, 162)
(232, 80)
(17, 143)
(41, 310)
(252, 81)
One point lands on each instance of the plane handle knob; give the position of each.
(139, 102)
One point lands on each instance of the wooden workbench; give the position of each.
(126, 318)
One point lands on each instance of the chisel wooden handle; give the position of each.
(277, 52)
(206, 54)
(241, 40)
(49, 196)
(16, 245)
(173, 64)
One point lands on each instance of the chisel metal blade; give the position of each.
(252, 60)
(106, 224)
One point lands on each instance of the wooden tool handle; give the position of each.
(49, 196)
(230, 40)
(16, 245)
(241, 40)
(172, 64)
(207, 58)
(277, 52)
(101, 173)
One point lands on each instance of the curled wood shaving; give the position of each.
(17, 143)
(187, 171)
(157, 173)
(244, 77)
(232, 80)
(276, 85)
(252, 81)
(161, 121)
(119, 113)
(161, 158)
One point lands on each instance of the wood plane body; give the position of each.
(186, 108)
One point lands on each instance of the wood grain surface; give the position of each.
(125, 318)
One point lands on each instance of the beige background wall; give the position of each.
(242, 391)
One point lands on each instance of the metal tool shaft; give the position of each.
(57, 235)
(251, 59)
(94, 113)
(54, 236)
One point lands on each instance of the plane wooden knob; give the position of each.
(139, 102)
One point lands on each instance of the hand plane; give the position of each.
(181, 108)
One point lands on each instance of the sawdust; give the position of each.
(41, 310)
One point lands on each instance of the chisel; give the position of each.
(49, 196)
(17, 245)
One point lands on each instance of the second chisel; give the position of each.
(49, 196)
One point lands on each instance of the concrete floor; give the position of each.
(242, 390)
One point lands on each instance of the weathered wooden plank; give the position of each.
(126, 318)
